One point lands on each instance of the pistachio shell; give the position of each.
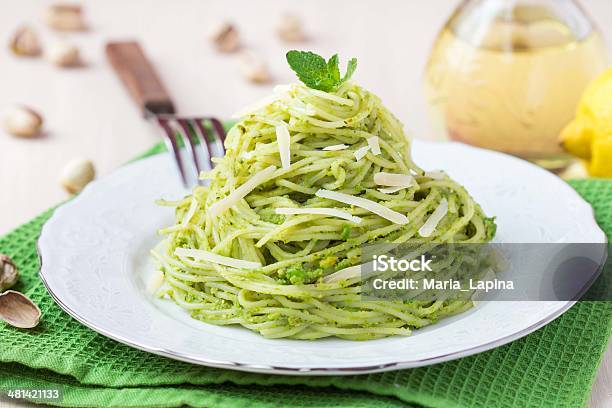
(63, 54)
(24, 42)
(225, 37)
(22, 121)
(77, 174)
(65, 17)
(290, 28)
(9, 275)
(18, 311)
(253, 67)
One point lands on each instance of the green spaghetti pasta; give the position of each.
(258, 245)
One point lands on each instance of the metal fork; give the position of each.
(193, 133)
(203, 137)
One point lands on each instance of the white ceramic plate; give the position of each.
(95, 263)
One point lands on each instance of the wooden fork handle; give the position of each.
(139, 77)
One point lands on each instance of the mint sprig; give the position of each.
(316, 73)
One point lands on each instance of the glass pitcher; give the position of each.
(507, 75)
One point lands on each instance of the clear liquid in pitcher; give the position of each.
(513, 83)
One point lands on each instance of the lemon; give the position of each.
(589, 135)
(601, 157)
(576, 139)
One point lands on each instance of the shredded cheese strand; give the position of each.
(366, 204)
(334, 148)
(207, 256)
(361, 152)
(391, 190)
(393, 179)
(284, 145)
(332, 212)
(351, 272)
(374, 145)
(432, 222)
(235, 196)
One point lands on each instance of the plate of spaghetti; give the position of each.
(258, 268)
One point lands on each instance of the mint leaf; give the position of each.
(333, 69)
(350, 69)
(310, 68)
(315, 73)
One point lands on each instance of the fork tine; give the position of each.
(172, 145)
(202, 135)
(175, 127)
(220, 139)
(185, 130)
(218, 126)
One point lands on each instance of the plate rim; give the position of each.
(311, 371)
(287, 370)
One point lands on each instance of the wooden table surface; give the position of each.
(88, 114)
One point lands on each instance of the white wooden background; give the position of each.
(89, 115)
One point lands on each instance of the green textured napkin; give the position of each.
(553, 367)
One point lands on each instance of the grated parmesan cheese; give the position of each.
(366, 204)
(391, 190)
(393, 179)
(284, 145)
(330, 96)
(247, 155)
(207, 256)
(332, 212)
(436, 174)
(374, 145)
(361, 152)
(344, 274)
(238, 194)
(334, 148)
(190, 213)
(155, 282)
(432, 222)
